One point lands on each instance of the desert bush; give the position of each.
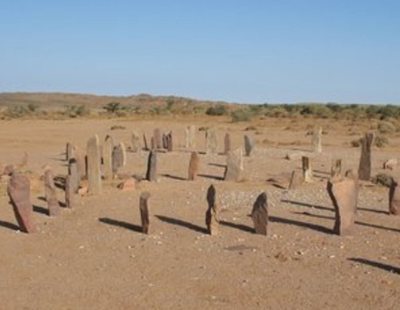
(113, 107)
(16, 111)
(241, 115)
(386, 127)
(382, 179)
(217, 110)
(355, 142)
(117, 127)
(381, 141)
(76, 111)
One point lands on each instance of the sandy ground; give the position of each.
(94, 257)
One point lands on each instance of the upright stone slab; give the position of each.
(194, 164)
(307, 170)
(234, 166)
(336, 168)
(394, 198)
(343, 194)
(211, 142)
(227, 143)
(157, 138)
(135, 141)
(144, 211)
(317, 140)
(164, 141)
(296, 179)
(248, 145)
(169, 142)
(93, 165)
(73, 171)
(192, 136)
(70, 194)
(350, 174)
(108, 158)
(20, 197)
(146, 146)
(70, 151)
(364, 169)
(51, 193)
(118, 157)
(212, 217)
(187, 138)
(259, 214)
(151, 174)
(81, 163)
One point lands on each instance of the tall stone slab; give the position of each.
(394, 197)
(296, 179)
(192, 136)
(93, 165)
(212, 216)
(144, 211)
(135, 141)
(364, 169)
(211, 142)
(51, 193)
(307, 170)
(145, 144)
(259, 214)
(157, 138)
(343, 193)
(336, 168)
(81, 159)
(20, 198)
(194, 164)
(227, 143)
(151, 174)
(71, 195)
(73, 171)
(316, 140)
(118, 158)
(169, 142)
(234, 166)
(248, 145)
(108, 148)
(70, 151)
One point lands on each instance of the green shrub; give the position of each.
(76, 111)
(386, 127)
(241, 115)
(113, 107)
(217, 110)
(381, 141)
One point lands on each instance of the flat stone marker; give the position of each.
(108, 148)
(316, 140)
(157, 138)
(259, 214)
(307, 170)
(151, 174)
(194, 164)
(234, 166)
(70, 194)
(93, 165)
(135, 141)
(144, 211)
(227, 143)
(248, 145)
(20, 197)
(336, 168)
(394, 198)
(51, 193)
(343, 193)
(212, 218)
(364, 169)
(211, 142)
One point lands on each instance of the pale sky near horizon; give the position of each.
(257, 51)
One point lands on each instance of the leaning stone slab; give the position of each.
(259, 214)
(394, 198)
(194, 164)
(364, 169)
(343, 193)
(151, 174)
(234, 166)
(20, 197)
(93, 165)
(108, 148)
(144, 211)
(51, 193)
(248, 145)
(212, 218)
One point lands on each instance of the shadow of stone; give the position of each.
(375, 264)
(208, 176)
(322, 229)
(122, 224)
(174, 177)
(9, 225)
(237, 226)
(182, 223)
(40, 210)
(308, 205)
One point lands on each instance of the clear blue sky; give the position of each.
(241, 51)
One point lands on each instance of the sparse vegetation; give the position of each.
(217, 110)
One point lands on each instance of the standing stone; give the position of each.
(192, 136)
(118, 157)
(51, 193)
(394, 198)
(193, 166)
(81, 163)
(169, 142)
(212, 218)
(73, 171)
(307, 170)
(336, 168)
(234, 166)
(248, 145)
(70, 193)
(135, 140)
(259, 214)
(296, 179)
(316, 140)
(227, 143)
(146, 146)
(20, 197)
(108, 158)
(144, 211)
(364, 169)
(164, 141)
(24, 161)
(353, 176)
(211, 142)
(343, 193)
(151, 174)
(157, 138)
(70, 151)
(93, 165)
